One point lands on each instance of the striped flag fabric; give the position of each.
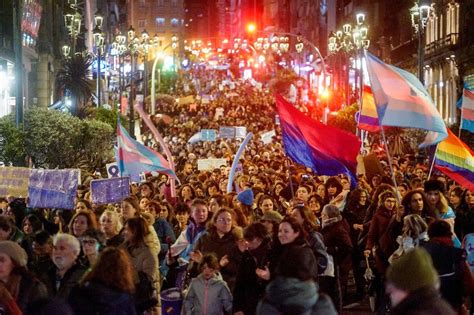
(467, 110)
(455, 159)
(324, 149)
(134, 158)
(402, 101)
(368, 119)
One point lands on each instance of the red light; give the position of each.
(251, 27)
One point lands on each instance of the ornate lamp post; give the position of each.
(99, 41)
(420, 13)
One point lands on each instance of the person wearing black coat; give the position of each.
(249, 288)
(337, 239)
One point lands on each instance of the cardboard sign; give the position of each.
(186, 100)
(14, 181)
(210, 164)
(53, 188)
(240, 132)
(104, 191)
(267, 136)
(226, 132)
(208, 134)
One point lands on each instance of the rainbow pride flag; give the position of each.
(454, 158)
(368, 119)
(134, 158)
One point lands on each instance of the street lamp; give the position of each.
(73, 21)
(420, 13)
(299, 46)
(351, 39)
(99, 40)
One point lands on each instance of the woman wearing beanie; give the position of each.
(22, 286)
(412, 283)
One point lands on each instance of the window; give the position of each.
(161, 3)
(141, 23)
(141, 3)
(160, 21)
(174, 3)
(174, 22)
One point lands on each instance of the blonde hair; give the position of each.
(115, 219)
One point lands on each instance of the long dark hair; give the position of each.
(113, 268)
(139, 228)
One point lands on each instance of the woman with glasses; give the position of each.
(92, 242)
(220, 239)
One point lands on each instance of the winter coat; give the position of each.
(378, 226)
(165, 233)
(95, 298)
(294, 260)
(425, 301)
(293, 296)
(210, 242)
(249, 288)
(464, 223)
(450, 263)
(71, 279)
(355, 215)
(210, 297)
(143, 259)
(31, 290)
(338, 242)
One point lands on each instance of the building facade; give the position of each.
(160, 17)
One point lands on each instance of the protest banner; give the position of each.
(112, 190)
(208, 134)
(206, 99)
(14, 181)
(226, 132)
(186, 100)
(267, 136)
(210, 164)
(53, 188)
(240, 132)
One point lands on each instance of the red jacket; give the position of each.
(378, 227)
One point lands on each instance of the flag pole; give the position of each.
(433, 161)
(389, 160)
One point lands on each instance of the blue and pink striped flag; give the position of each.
(134, 158)
(467, 110)
(402, 101)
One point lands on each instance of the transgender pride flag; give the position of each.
(134, 158)
(467, 110)
(402, 101)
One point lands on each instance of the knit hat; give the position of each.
(246, 197)
(271, 216)
(413, 271)
(433, 185)
(16, 253)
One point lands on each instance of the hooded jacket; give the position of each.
(210, 297)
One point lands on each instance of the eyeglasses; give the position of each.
(89, 242)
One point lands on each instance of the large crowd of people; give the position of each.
(284, 241)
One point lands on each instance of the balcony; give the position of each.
(441, 45)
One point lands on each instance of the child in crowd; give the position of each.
(208, 293)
